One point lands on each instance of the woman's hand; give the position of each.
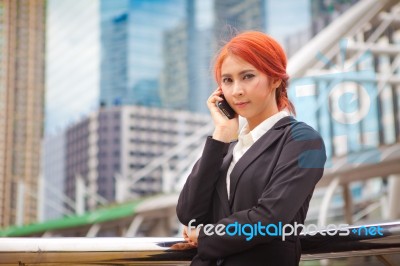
(190, 237)
(226, 129)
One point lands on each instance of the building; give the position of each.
(324, 12)
(321, 14)
(117, 142)
(114, 61)
(131, 49)
(53, 169)
(201, 79)
(104, 53)
(22, 50)
(187, 80)
(174, 87)
(236, 15)
(189, 49)
(200, 49)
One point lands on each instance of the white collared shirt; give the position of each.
(247, 138)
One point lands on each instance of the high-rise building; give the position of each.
(321, 14)
(81, 159)
(186, 79)
(189, 48)
(324, 12)
(237, 15)
(131, 49)
(22, 49)
(174, 88)
(277, 18)
(202, 79)
(114, 63)
(200, 49)
(117, 142)
(53, 169)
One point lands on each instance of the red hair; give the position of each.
(265, 54)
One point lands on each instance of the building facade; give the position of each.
(22, 49)
(189, 49)
(324, 12)
(53, 169)
(236, 15)
(117, 142)
(319, 14)
(114, 63)
(174, 82)
(131, 49)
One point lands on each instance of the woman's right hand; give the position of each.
(191, 236)
(226, 129)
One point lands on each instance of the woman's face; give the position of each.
(248, 91)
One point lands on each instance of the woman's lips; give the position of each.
(241, 104)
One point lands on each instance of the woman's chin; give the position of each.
(243, 114)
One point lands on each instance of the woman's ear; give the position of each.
(276, 82)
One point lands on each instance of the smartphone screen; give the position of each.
(225, 108)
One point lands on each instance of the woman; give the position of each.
(265, 177)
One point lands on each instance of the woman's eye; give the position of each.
(226, 80)
(248, 76)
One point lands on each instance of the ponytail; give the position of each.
(282, 98)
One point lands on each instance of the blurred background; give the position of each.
(103, 114)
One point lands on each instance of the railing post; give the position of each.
(394, 197)
(323, 214)
(348, 204)
(79, 195)
(20, 202)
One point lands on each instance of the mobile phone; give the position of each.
(225, 108)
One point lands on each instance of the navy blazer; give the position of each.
(272, 182)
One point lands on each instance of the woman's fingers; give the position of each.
(190, 238)
(182, 246)
(193, 244)
(215, 96)
(185, 233)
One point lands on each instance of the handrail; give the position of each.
(353, 245)
(164, 251)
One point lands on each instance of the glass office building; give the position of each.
(131, 55)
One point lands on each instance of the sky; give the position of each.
(72, 61)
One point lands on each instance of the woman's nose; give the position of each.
(237, 89)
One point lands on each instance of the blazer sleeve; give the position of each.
(299, 168)
(195, 199)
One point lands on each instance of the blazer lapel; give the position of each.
(254, 151)
(221, 183)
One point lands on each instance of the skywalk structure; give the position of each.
(345, 83)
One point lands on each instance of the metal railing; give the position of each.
(367, 240)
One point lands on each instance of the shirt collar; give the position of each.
(264, 126)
